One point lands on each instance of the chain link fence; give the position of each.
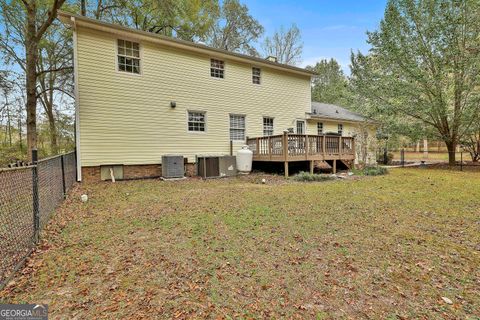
(402, 157)
(28, 197)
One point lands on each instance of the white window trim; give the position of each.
(263, 125)
(244, 129)
(140, 47)
(210, 68)
(206, 121)
(304, 126)
(261, 78)
(323, 128)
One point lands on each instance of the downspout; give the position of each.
(77, 100)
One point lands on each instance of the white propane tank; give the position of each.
(244, 160)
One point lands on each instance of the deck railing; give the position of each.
(297, 147)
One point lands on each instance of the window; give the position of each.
(196, 121)
(237, 127)
(128, 55)
(256, 75)
(319, 128)
(300, 127)
(340, 129)
(217, 68)
(267, 126)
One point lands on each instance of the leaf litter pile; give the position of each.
(401, 246)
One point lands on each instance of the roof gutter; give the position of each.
(77, 99)
(311, 116)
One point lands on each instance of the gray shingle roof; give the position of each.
(330, 111)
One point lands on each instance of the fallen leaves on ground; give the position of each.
(401, 246)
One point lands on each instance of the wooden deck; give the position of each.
(300, 147)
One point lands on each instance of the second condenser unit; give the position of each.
(216, 166)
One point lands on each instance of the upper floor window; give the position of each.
(237, 127)
(340, 128)
(196, 121)
(128, 55)
(256, 75)
(319, 128)
(217, 68)
(267, 126)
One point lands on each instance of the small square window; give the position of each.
(196, 121)
(340, 129)
(217, 68)
(256, 73)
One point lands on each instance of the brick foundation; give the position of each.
(142, 171)
(92, 174)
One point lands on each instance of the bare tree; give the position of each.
(285, 45)
(26, 22)
(236, 30)
(55, 54)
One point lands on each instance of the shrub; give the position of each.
(308, 177)
(380, 158)
(374, 171)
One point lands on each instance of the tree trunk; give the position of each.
(31, 49)
(83, 5)
(425, 148)
(53, 131)
(451, 152)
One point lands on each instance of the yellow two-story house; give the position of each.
(140, 95)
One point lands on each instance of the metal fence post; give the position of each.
(461, 161)
(75, 157)
(402, 157)
(36, 209)
(63, 176)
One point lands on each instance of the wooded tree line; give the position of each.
(421, 77)
(36, 74)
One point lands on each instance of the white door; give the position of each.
(300, 127)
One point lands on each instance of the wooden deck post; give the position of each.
(334, 166)
(324, 146)
(285, 152)
(311, 166)
(340, 146)
(306, 146)
(353, 150)
(269, 148)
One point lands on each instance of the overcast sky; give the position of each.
(330, 28)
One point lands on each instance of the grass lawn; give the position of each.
(436, 156)
(387, 247)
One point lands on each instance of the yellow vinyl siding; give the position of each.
(349, 128)
(127, 118)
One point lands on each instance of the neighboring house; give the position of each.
(140, 95)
